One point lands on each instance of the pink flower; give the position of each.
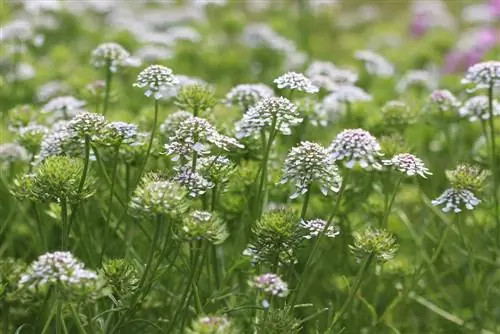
(495, 7)
(419, 25)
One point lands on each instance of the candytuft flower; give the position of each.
(350, 94)
(274, 113)
(10, 152)
(356, 146)
(296, 82)
(477, 108)
(270, 284)
(64, 107)
(194, 182)
(456, 199)
(154, 78)
(483, 75)
(408, 164)
(444, 100)
(172, 122)
(117, 133)
(111, 55)
(87, 124)
(375, 64)
(211, 325)
(309, 162)
(316, 227)
(246, 96)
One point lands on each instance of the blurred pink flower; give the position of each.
(419, 25)
(495, 7)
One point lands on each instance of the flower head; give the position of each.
(109, 54)
(154, 78)
(375, 64)
(10, 152)
(408, 164)
(356, 146)
(444, 100)
(87, 124)
(270, 284)
(316, 227)
(246, 96)
(309, 162)
(211, 325)
(483, 75)
(63, 107)
(456, 199)
(117, 133)
(31, 136)
(350, 94)
(296, 81)
(379, 243)
(275, 113)
(172, 122)
(477, 108)
(468, 177)
(204, 225)
(194, 182)
(59, 269)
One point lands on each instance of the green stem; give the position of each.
(150, 144)
(493, 155)
(64, 224)
(320, 237)
(59, 315)
(263, 168)
(109, 77)
(6, 313)
(352, 293)
(39, 225)
(306, 203)
(78, 323)
(388, 208)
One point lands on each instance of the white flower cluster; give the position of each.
(115, 133)
(350, 94)
(63, 107)
(10, 152)
(309, 162)
(61, 140)
(375, 63)
(172, 122)
(154, 78)
(194, 182)
(247, 95)
(277, 113)
(326, 75)
(356, 146)
(477, 108)
(57, 268)
(295, 82)
(109, 54)
(483, 75)
(315, 227)
(86, 123)
(419, 78)
(408, 164)
(196, 134)
(444, 99)
(455, 199)
(168, 92)
(270, 284)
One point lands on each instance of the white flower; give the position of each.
(375, 64)
(109, 54)
(154, 78)
(317, 226)
(444, 99)
(63, 107)
(172, 122)
(477, 108)
(271, 284)
(247, 95)
(194, 182)
(421, 78)
(295, 81)
(483, 75)
(86, 123)
(10, 152)
(455, 199)
(277, 113)
(309, 162)
(356, 146)
(350, 94)
(408, 164)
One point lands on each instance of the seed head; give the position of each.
(456, 199)
(246, 96)
(31, 136)
(273, 113)
(379, 243)
(296, 82)
(309, 162)
(204, 225)
(375, 63)
(154, 78)
(468, 177)
(477, 108)
(122, 276)
(270, 284)
(109, 54)
(158, 197)
(483, 75)
(316, 227)
(356, 146)
(408, 164)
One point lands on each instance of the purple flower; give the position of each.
(495, 7)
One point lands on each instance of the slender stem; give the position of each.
(6, 314)
(39, 225)
(59, 316)
(306, 203)
(320, 237)
(493, 156)
(352, 293)
(387, 212)
(150, 144)
(109, 77)
(78, 322)
(263, 169)
(64, 224)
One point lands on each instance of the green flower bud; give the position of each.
(199, 225)
(196, 98)
(468, 177)
(379, 243)
(122, 277)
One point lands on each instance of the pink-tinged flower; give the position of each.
(495, 7)
(419, 25)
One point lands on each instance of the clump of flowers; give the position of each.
(87, 124)
(158, 197)
(117, 133)
(172, 123)
(246, 96)
(295, 82)
(276, 237)
(154, 78)
(465, 181)
(270, 284)
(350, 94)
(192, 181)
(477, 108)
(211, 325)
(61, 140)
(408, 164)
(273, 113)
(356, 147)
(204, 225)
(444, 100)
(309, 162)
(483, 75)
(375, 63)
(315, 227)
(397, 114)
(61, 270)
(378, 243)
(63, 107)
(111, 55)
(196, 98)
